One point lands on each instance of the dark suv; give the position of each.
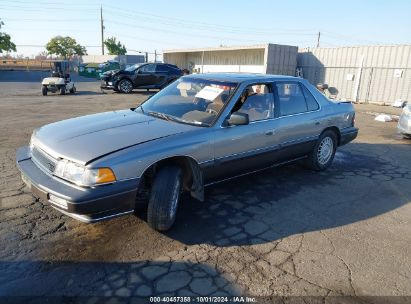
(140, 76)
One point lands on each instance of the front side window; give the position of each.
(190, 100)
(148, 68)
(133, 67)
(257, 101)
(291, 98)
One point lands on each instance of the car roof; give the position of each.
(240, 77)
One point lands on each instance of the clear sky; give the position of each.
(160, 24)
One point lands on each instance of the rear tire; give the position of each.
(63, 90)
(44, 91)
(125, 86)
(164, 198)
(323, 153)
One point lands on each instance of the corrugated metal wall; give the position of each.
(380, 74)
(281, 59)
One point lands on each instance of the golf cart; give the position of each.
(59, 81)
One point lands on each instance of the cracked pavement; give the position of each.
(282, 232)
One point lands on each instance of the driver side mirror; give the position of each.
(238, 119)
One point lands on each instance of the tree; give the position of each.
(5, 41)
(114, 47)
(65, 47)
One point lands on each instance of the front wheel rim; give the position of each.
(325, 150)
(125, 86)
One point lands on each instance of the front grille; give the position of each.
(44, 161)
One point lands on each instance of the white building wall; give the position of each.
(267, 58)
(230, 68)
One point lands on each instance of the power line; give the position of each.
(41, 9)
(48, 29)
(40, 3)
(158, 30)
(170, 20)
(48, 20)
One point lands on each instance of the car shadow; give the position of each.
(87, 93)
(138, 92)
(37, 281)
(289, 200)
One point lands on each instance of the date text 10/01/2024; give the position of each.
(203, 299)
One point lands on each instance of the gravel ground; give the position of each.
(282, 232)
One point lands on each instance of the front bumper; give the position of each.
(85, 204)
(108, 84)
(347, 135)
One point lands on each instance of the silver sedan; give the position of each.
(199, 130)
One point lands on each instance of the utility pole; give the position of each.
(155, 56)
(102, 30)
(318, 39)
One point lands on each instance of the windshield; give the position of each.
(133, 67)
(190, 100)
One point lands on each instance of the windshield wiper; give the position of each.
(159, 115)
(141, 107)
(176, 119)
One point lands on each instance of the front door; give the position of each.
(145, 76)
(243, 148)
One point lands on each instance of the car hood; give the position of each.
(110, 73)
(86, 138)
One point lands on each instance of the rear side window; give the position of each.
(312, 104)
(291, 98)
(162, 68)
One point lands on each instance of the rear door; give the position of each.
(300, 119)
(162, 74)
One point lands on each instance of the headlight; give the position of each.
(83, 176)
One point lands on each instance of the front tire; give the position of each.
(164, 198)
(323, 153)
(63, 90)
(44, 91)
(73, 90)
(125, 86)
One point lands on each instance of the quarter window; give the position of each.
(312, 104)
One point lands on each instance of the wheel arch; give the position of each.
(336, 132)
(192, 173)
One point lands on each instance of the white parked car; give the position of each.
(404, 123)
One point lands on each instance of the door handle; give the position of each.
(269, 132)
(317, 123)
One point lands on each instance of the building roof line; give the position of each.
(222, 48)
